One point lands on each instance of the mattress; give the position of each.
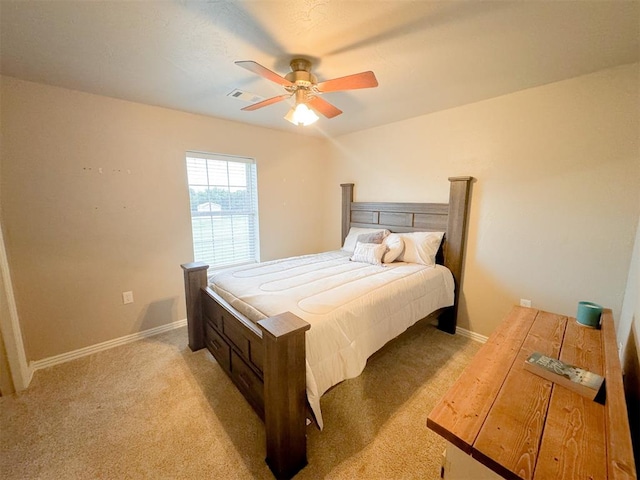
(353, 308)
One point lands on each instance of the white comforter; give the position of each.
(353, 308)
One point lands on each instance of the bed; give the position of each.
(269, 351)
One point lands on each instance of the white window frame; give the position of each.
(237, 245)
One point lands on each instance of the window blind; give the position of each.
(224, 208)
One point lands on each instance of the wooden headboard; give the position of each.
(450, 218)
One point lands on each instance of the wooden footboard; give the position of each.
(265, 361)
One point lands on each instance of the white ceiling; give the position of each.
(427, 55)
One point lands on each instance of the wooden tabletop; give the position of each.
(523, 426)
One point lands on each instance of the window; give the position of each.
(224, 209)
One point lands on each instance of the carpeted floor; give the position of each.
(155, 410)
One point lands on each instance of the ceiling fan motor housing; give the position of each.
(301, 73)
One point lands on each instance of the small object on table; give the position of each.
(589, 314)
(586, 383)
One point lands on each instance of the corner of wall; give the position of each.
(629, 337)
(21, 371)
(628, 323)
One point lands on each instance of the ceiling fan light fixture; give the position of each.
(304, 85)
(301, 115)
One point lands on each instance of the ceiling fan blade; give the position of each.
(266, 102)
(324, 107)
(350, 82)
(263, 72)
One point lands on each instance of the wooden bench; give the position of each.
(522, 426)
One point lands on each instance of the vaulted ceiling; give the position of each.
(427, 55)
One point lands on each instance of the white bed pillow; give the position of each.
(420, 247)
(354, 233)
(369, 253)
(395, 245)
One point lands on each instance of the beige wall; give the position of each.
(77, 238)
(556, 202)
(553, 219)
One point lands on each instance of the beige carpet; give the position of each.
(156, 410)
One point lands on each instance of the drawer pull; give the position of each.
(215, 344)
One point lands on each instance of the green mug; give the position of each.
(589, 314)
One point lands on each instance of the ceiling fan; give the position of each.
(304, 85)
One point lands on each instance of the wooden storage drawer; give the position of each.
(235, 335)
(248, 382)
(249, 347)
(212, 312)
(218, 347)
(257, 355)
(225, 326)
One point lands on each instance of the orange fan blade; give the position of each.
(324, 107)
(263, 72)
(266, 102)
(350, 82)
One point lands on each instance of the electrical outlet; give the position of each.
(525, 302)
(127, 297)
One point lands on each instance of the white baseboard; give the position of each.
(472, 335)
(463, 332)
(83, 352)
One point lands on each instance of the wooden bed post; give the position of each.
(347, 200)
(195, 277)
(285, 385)
(459, 196)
